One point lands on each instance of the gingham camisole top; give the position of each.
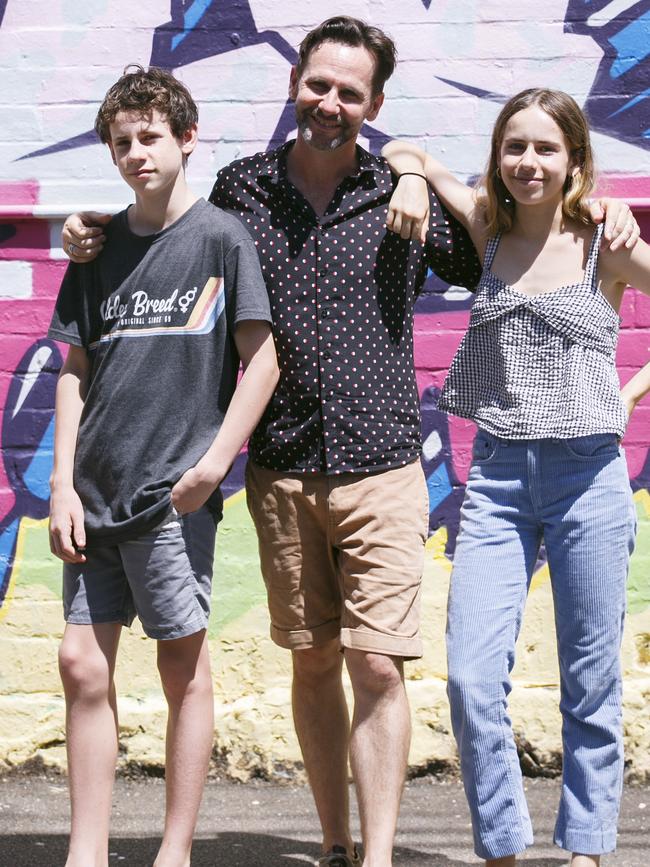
(538, 366)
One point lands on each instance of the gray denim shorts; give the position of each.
(164, 576)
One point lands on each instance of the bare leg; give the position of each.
(585, 860)
(184, 668)
(322, 724)
(379, 745)
(87, 664)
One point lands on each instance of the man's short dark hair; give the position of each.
(141, 91)
(352, 31)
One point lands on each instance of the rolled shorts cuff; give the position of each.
(377, 642)
(169, 633)
(596, 842)
(501, 845)
(303, 639)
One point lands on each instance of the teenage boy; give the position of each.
(148, 421)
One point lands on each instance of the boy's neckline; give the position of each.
(147, 236)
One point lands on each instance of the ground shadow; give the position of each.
(234, 849)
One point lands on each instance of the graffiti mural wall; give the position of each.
(458, 63)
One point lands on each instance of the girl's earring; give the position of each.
(498, 173)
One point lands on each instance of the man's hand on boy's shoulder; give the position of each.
(66, 529)
(82, 237)
(194, 487)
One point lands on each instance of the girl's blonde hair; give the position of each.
(493, 195)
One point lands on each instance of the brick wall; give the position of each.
(457, 63)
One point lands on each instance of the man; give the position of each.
(334, 481)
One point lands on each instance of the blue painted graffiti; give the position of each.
(27, 445)
(618, 100)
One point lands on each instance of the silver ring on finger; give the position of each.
(71, 248)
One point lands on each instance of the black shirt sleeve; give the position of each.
(221, 194)
(246, 295)
(76, 318)
(449, 251)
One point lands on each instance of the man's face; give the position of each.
(333, 95)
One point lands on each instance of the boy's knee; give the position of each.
(83, 672)
(184, 667)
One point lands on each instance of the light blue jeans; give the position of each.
(575, 495)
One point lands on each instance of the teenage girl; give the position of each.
(536, 373)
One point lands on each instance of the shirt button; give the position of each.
(326, 354)
(325, 314)
(322, 272)
(328, 395)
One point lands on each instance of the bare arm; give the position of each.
(82, 237)
(408, 211)
(625, 267)
(66, 527)
(257, 352)
(636, 389)
(617, 269)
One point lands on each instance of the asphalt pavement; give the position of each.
(261, 824)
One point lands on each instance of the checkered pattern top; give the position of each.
(538, 366)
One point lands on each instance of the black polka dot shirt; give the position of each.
(342, 291)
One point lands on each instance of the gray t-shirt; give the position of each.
(156, 315)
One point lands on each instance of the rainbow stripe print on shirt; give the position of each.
(145, 317)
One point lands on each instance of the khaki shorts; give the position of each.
(342, 556)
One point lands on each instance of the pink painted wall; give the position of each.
(457, 63)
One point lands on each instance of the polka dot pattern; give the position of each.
(342, 291)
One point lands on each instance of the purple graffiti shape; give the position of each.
(209, 28)
(3, 9)
(642, 481)
(617, 103)
(27, 445)
(7, 231)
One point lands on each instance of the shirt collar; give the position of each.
(274, 164)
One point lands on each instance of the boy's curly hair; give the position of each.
(141, 90)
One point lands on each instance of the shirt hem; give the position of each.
(114, 536)
(62, 337)
(358, 470)
(534, 435)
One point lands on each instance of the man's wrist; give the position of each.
(412, 174)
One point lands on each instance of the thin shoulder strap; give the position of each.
(490, 251)
(591, 267)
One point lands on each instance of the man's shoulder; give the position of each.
(251, 166)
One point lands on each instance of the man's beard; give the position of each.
(312, 137)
